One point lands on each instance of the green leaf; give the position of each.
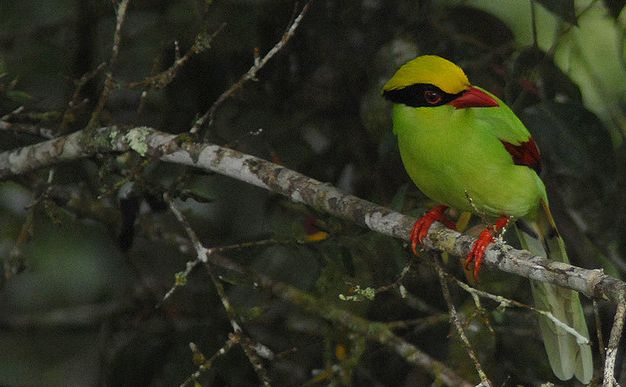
(562, 8)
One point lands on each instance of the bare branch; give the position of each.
(76, 103)
(205, 364)
(599, 335)
(13, 113)
(419, 324)
(302, 189)
(201, 256)
(614, 339)
(80, 316)
(251, 74)
(164, 78)
(375, 331)
(456, 321)
(202, 252)
(14, 262)
(108, 81)
(505, 302)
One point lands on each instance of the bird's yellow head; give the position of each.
(429, 69)
(431, 80)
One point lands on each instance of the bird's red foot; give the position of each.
(485, 238)
(421, 227)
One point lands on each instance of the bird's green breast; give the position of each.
(454, 157)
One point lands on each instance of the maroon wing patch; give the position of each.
(526, 153)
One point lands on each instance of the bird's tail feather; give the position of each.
(567, 357)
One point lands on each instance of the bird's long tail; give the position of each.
(567, 357)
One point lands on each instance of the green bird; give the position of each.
(465, 148)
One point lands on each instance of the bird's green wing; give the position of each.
(503, 123)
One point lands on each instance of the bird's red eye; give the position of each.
(432, 97)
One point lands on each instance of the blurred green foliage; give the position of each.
(80, 307)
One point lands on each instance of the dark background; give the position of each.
(82, 311)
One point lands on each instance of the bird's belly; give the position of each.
(483, 186)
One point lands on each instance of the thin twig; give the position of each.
(459, 327)
(80, 84)
(614, 339)
(599, 335)
(259, 243)
(201, 256)
(76, 102)
(247, 344)
(206, 364)
(183, 245)
(504, 302)
(419, 324)
(14, 262)
(74, 317)
(397, 284)
(482, 312)
(164, 78)
(180, 280)
(251, 73)
(252, 350)
(13, 113)
(108, 81)
(375, 331)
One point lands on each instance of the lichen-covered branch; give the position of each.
(614, 339)
(300, 188)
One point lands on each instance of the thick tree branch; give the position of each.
(300, 188)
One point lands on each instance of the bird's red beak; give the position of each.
(473, 97)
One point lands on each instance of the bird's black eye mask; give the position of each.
(420, 95)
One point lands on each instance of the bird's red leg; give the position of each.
(420, 228)
(485, 238)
